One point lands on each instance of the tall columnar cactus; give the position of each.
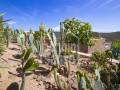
(67, 65)
(31, 38)
(37, 47)
(2, 43)
(7, 34)
(53, 42)
(21, 38)
(61, 84)
(14, 35)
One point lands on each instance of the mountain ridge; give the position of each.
(109, 36)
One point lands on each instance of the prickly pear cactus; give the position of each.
(98, 83)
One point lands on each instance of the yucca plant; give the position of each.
(28, 65)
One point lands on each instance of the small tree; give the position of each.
(81, 31)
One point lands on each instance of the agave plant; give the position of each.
(28, 65)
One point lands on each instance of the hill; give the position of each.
(109, 36)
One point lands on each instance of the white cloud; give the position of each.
(57, 28)
(105, 3)
(11, 22)
(91, 2)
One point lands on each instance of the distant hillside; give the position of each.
(109, 36)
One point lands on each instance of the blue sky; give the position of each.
(103, 15)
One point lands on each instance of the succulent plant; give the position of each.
(14, 35)
(61, 84)
(28, 65)
(21, 38)
(31, 38)
(53, 42)
(7, 34)
(84, 83)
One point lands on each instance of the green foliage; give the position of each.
(28, 62)
(67, 52)
(110, 76)
(78, 30)
(40, 34)
(1, 22)
(100, 58)
(115, 47)
(28, 65)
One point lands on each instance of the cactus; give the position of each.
(67, 65)
(61, 85)
(14, 35)
(21, 38)
(87, 84)
(53, 42)
(7, 34)
(31, 38)
(81, 81)
(38, 47)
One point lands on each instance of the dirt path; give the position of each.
(8, 75)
